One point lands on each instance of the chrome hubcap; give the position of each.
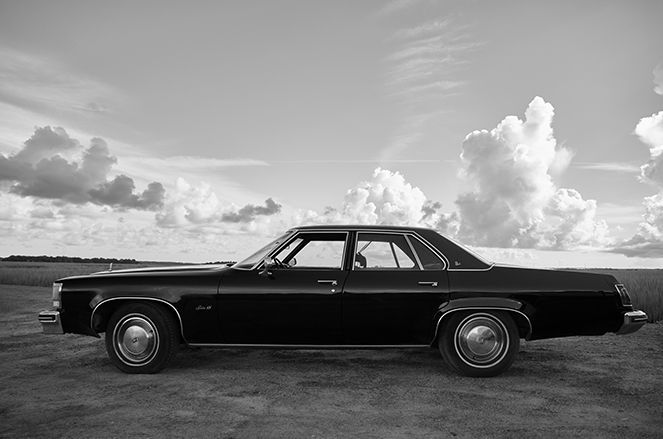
(481, 340)
(136, 339)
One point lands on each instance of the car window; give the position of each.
(315, 250)
(260, 254)
(428, 259)
(377, 251)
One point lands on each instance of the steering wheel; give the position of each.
(279, 264)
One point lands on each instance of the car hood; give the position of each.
(174, 268)
(151, 271)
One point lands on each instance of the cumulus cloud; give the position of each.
(40, 170)
(188, 204)
(386, 198)
(512, 199)
(199, 205)
(250, 211)
(650, 131)
(648, 240)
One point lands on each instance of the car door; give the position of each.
(296, 301)
(393, 290)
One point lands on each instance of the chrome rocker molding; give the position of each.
(479, 309)
(179, 318)
(310, 346)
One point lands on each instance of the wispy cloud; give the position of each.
(44, 85)
(395, 6)
(608, 167)
(423, 69)
(184, 162)
(355, 161)
(658, 78)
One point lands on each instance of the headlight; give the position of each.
(57, 289)
(623, 294)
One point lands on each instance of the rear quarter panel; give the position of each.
(558, 303)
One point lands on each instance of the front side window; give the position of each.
(260, 254)
(384, 251)
(314, 250)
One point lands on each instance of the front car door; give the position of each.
(395, 286)
(297, 301)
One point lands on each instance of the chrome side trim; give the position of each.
(416, 256)
(139, 298)
(309, 346)
(378, 230)
(481, 308)
(472, 269)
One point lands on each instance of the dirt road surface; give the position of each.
(64, 386)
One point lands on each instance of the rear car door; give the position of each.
(395, 285)
(297, 302)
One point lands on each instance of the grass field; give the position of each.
(645, 286)
(42, 274)
(65, 386)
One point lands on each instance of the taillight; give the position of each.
(57, 288)
(623, 294)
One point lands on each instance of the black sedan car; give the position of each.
(341, 287)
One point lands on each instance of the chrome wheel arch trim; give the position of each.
(479, 309)
(129, 298)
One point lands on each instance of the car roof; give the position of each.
(359, 227)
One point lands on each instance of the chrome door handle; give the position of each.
(430, 284)
(328, 281)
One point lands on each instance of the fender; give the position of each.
(481, 303)
(135, 298)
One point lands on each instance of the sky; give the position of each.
(530, 131)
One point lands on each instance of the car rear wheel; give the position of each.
(141, 338)
(479, 343)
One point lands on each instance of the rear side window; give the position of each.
(428, 259)
(383, 251)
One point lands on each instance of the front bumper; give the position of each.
(50, 322)
(633, 320)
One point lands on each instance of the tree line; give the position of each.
(44, 258)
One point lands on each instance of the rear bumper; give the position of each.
(50, 322)
(633, 320)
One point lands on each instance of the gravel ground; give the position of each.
(64, 386)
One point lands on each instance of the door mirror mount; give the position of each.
(267, 265)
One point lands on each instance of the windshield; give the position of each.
(260, 254)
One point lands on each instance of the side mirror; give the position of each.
(267, 265)
(292, 262)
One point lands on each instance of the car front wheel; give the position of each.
(141, 338)
(479, 343)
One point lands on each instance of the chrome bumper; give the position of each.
(633, 320)
(50, 322)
